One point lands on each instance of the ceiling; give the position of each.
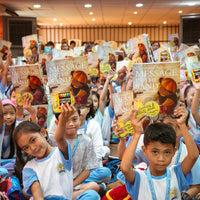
(106, 12)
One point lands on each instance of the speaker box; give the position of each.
(14, 28)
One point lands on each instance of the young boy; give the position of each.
(83, 156)
(158, 181)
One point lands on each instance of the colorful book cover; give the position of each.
(4, 48)
(123, 102)
(140, 47)
(69, 75)
(30, 46)
(27, 79)
(156, 89)
(41, 114)
(107, 57)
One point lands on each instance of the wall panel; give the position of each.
(119, 33)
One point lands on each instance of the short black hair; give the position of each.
(160, 132)
(50, 43)
(72, 42)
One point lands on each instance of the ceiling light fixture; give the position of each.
(54, 19)
(93, 19)
(180, 11)
(37, 6)
(87, 5)
(135, 12)
(191, 4)
(129, 23)
(164, 22)
(61, 24)
(139, 5)
(91, 13)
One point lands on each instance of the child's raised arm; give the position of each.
(129, 154)
(195, 102)
(66, 112)
(193, 153)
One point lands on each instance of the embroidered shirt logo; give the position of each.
(173, 195)
(61, 168)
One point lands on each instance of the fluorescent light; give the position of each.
(139, 5)
(135, 12)
(37, 6)
(180, 11)
(93, 19)
(129, 23)
(164, 22)
(54, 19)
(191, 4)
(91, 13)
(88, 5)
(61, 24)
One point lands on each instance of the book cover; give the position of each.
(30, 48)
(27, 79)
(41, 114)
(140, 47)
(4, 48)
(69, 75)
(123, 102)
(156, 89)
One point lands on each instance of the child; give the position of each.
(83, 155)
(192, 103)
(50, 164)
(12, 117)
(195, 108)
(159, 147)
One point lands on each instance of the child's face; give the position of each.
(72, 126)
(9, 115)
(159, 156)
(33, 144)
(95, 102)
(13, 96)
(190, 96)
(174, 125)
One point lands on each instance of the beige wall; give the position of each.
(120, 34)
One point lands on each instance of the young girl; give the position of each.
(50, 165)
(191, 98)
(12, 117)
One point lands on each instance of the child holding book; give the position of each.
(159, 148)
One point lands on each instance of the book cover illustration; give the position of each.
(140, 47)
(122, 69)
(69, 75)
(156, 53)
(123, 102)
(107, 57)
(41, 113)
(4, 48)
(156, 89)
(27, 80)
(30, 48)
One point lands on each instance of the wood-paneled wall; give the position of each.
(120, 34)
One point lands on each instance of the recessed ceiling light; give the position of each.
(191, 4)
(139, 5)
(87, 5)
(129, 23)
(61, 24)
(93, 19)
(37, 6)
(91, 13)
(135, 12)
(180, 11)
(164, 22)
(54, 19)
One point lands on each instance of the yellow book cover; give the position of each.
(123, 103)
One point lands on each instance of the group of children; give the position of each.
(65, 161)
